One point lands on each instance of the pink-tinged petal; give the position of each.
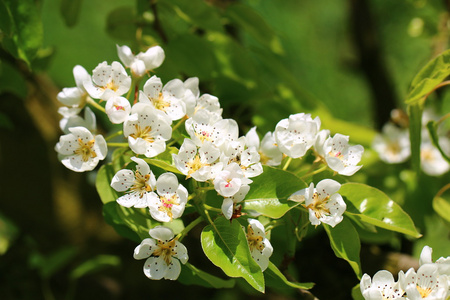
(161, 233)
(145, 249)
(155, 267)
(123, 180)
(173, 270)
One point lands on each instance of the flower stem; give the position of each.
(212, 208)
(288, 162)
(188, 228)
(117, 144)
(95, 104)
(323, 168)
(178, 124)
(114, 135)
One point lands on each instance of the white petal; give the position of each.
(161, 233)
(145, 249)
(173, 270)
(123, 180)
(155, 267)
(227, 208)
(328, 187)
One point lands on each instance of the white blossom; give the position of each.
(192, 93)
(392, 145)
(147, 130)
(247, 158)
(163, 253)
(268, 150)
(170, 200)
(229, 203)
(168, 99)
(431, 159)
(108, 81)
(79, 150)
(295, 135)
(198, 163)
(117, 109)
(75, 96)
(260, 247)
(381, 287)
(71, 118)
(138, 184)
(426, 283)
(229, 181)
(143, 61)
(323, 203)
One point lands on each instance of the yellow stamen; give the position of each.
(160, 103)
(424, 292)
(195, 165)
(143, 133)
(166, 250)
(319, 206)
(141, 184)
(167, 204)
(254, 241)
(86, 150)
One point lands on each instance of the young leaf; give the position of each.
(269, 192)
(372, 206)
(442, 208)
(225, 244)
(192, 275)
(429, 77)
(356, 293)
(345, 243)
(274, 278)
(432, 129)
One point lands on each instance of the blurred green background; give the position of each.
(348, 61)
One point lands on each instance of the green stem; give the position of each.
(95, 104)
(114, 135)
(178, 124)
(188, 228)
(323, 168)
(211, 208)
(117, 144)
(288, 162)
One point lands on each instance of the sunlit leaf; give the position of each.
(103, 184)
(269, 192)
(225, 244)
(429, 77)
(371, 205)
(345, 243)
(274, 278)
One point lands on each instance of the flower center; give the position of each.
(426, 155)
(160, 103)
(195, 165)
(167, 203)
(166, 250)
(140, 184)
(204, 136)
(86, 150)
(143, 133)
(254, 241)
(112, 86)
(319, 206)
(424, 292)
(119, 107)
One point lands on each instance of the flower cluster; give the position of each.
(175, 119)
(430, 281)
(393, 146)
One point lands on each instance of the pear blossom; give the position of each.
(198, 163)
(108, 81)
(323, 203)
(79, 150)
(163, 253)
(247, 158)
(230, 180)
(382, 286)
(71, 118)
(268, 150)
(75, 96)
(210, 103)
(229, 203)
(192, 93)
(143, 61)
(339, 156)
(117, 109)
(392, 145)
(260, 247)
(138, 184)
(168, 99)
(170, 200)
(442, 264)
(431, 159)
(426, 283)
(208, 126)
(295, 135)
(147, 130)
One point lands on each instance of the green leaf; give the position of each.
(269, 192)
(70, 10)
(164, 160)
(22, 24)
(274, 278)
(121, 24)
(54, 262)
(372, 206)
(442, 208)
(356, 293)
(114, 217)
(103, 184)
(345, 243)
(199, 13)
(432, 129)
(225, 244)
(95, 264)
(429, 77)
(192, 275)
